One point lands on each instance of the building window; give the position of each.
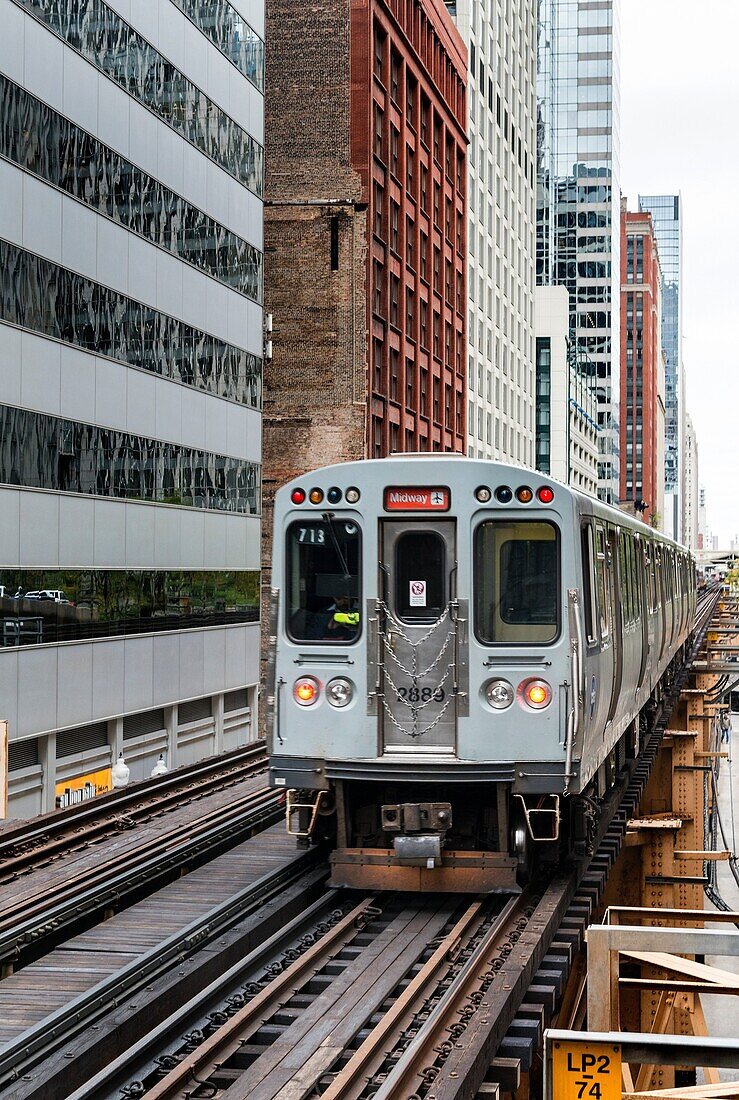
(106, 603)
(102, 37)
(394, 150)
(410, 243)
(45, 452)
(394, 361)
(394, 294)
(71, 159)
(543, 399)
(226, 28)
(394, 226)
(38, 295)
(379, 135)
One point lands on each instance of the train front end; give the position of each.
(420, 701)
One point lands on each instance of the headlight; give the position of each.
(305, 691)
(500, 694)
(537, 693)
(340, 692)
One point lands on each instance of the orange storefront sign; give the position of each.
(73, 791)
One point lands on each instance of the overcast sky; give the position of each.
(679, 119)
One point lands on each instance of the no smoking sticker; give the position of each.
(417, 596)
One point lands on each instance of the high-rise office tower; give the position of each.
(691, 492)
(642, 370)
(667, 218)
(131, 178)
(501, 98)
(578, 199)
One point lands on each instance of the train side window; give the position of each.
(323, 581)
(603, 586)
(420, 556)
(588, 572)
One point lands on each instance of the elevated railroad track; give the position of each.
(25, 845)
(393, 997)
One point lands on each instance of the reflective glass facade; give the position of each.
(49, 606)
(230, 32)
(46, 452)
(45, 298)
(80, 165)
(102, 37)
(578, 197)
(666, 219)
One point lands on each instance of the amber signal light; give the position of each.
(524, 495)
(305, 691)
(315, 496)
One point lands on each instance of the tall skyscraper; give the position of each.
(130, 385)
(578, 197)
(642, 370)
(667, 218)
(501, 96)
(691, 491)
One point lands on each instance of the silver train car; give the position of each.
(459, 654)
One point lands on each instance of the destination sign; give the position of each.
(417, 499)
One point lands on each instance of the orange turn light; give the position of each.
(538, 694)
(305, 691)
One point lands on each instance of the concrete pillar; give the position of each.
(47, 754)
(170, 723)
(218, 721)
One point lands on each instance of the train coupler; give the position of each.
(419, 829)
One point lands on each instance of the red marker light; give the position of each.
(545, 494)
(298, 496)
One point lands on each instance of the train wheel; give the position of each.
(521, 846)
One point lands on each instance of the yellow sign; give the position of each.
(585, 1070)
(73, 791)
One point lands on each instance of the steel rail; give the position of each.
(224, 1042)
(145, 1057)
(144, 866)
(44, 1038)
(29, 842)
(352, 1079)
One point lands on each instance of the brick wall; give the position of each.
(315, 388)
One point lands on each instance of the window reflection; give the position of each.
(46, 452)
(103, 38)
(50, 606)
(39, 295)
(79, 164)
(234, 37)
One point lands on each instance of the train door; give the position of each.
(418, 644)
(616, 596)
(642, 604)
(601, 685)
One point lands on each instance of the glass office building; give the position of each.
(666, 218)
(578, 196)
(131, 256)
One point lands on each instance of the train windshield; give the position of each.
(516, 576)
(323, 585)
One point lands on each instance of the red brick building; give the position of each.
(365, 232)
(642, 369)
(409, 147)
